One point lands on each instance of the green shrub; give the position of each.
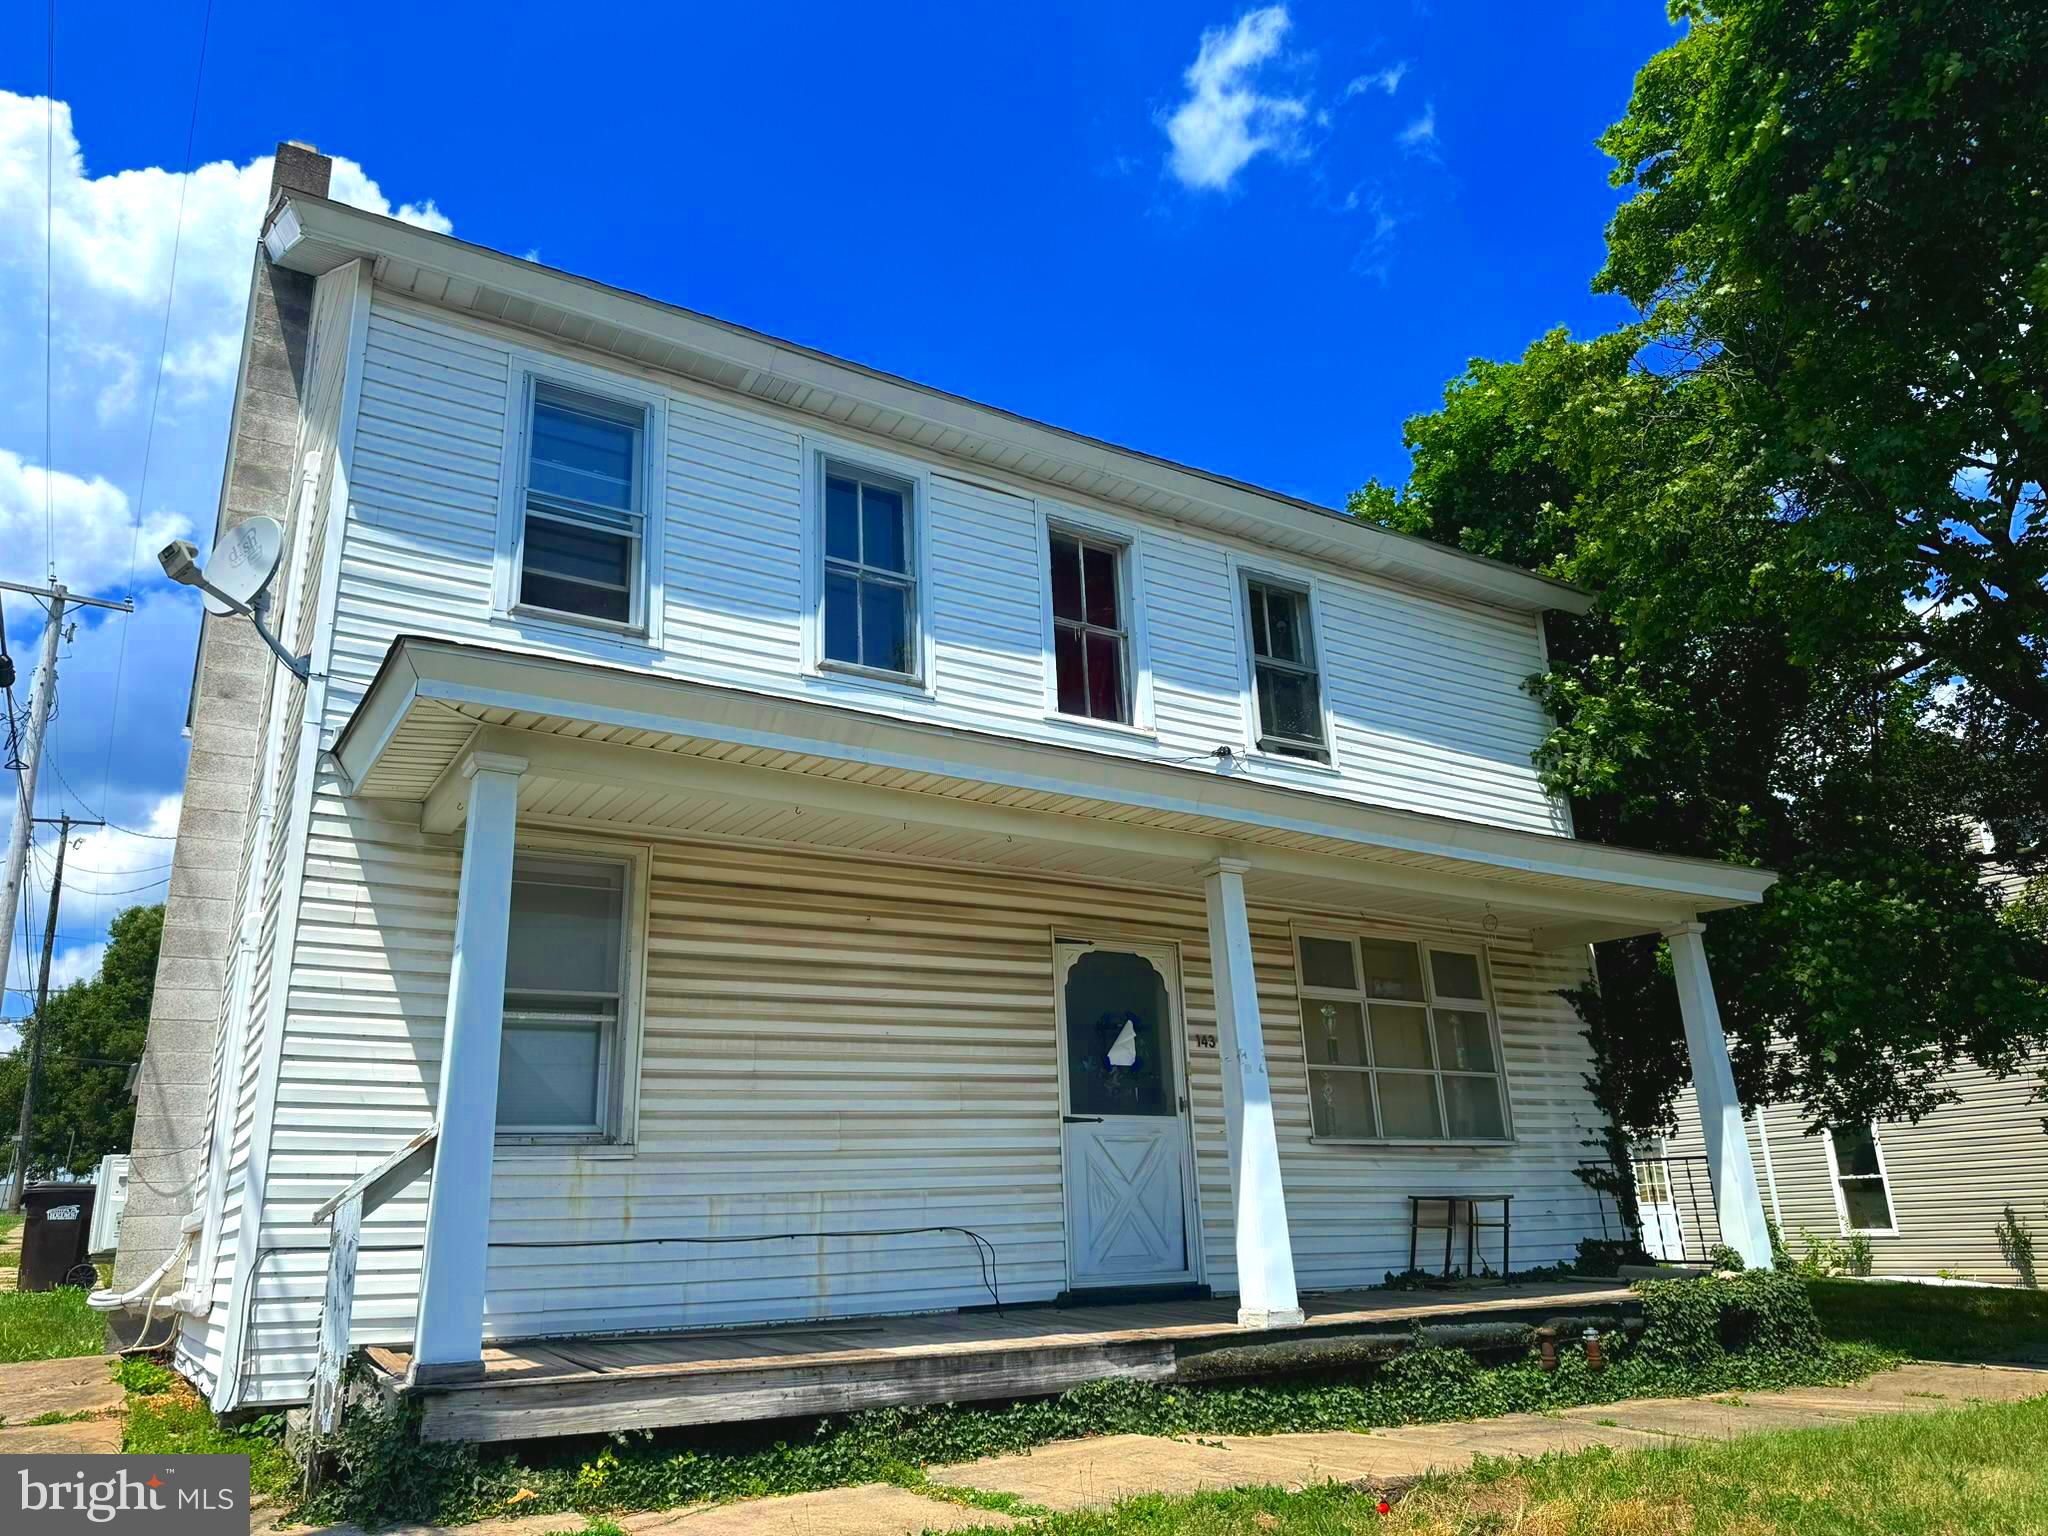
(1726, 1259)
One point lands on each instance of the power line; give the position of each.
(155, 399)
(49, 295)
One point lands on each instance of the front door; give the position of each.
(1657, 1206)
(1124, 1116)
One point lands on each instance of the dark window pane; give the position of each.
(1071, 669)
(882, 533)
(1118, 1061)
(1340, 1104)
(1400, 1036)
(1472, 1107)
(842, 618)
(1333, 1032)
(1408, 1101)
(1283, 625)
(1066, 578)
(1258, 607)
(1099, 567)
(1866, 1204)
(1106, 677)
(1391, 970)
(568, 549)
(1289, 706)
(584, 457)
(842, 519)
(1327, 963)
(612, 604)
(1463, 1042)
(884, 627)
(1855, 1151)
(1456, 974)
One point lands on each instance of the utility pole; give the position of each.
(37, 1025)
(59, 598)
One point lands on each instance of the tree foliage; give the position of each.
(94, 1031)
(1807, 485)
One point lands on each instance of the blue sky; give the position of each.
(1252, 240)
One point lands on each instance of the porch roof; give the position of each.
(616, 747)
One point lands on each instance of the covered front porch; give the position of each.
(947, 881)
(549, 1387)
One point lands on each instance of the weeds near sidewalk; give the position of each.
(165, 1417)
(49, 1325)
(1754, 1331)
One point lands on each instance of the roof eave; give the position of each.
(314, 235)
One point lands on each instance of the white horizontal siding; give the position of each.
(1427, 692)
(1950, 1177)
(828, 1043)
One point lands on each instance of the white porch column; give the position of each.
(1736, 1201)
(449, 1340)
(1265, 1253)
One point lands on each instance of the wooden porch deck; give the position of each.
(567, 1386)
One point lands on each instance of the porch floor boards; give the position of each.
(559, 1386)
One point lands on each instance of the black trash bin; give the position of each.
(55, 1236)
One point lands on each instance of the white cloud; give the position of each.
(110, 242)
(1388, 80)
(1226, 121)
(91, 524)
(1419, 137)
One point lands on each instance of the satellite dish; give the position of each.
(243, 562)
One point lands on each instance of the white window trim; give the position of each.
(1489, 1005)
(1884, 1175)
(816, 669)
(1130, 565)
(623, 1067)
(1244, 569)
(634, 639)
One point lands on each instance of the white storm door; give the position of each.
(1123, 1117)
(1657, 1209)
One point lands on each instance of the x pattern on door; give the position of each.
(1132, 1187)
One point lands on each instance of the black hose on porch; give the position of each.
(984, 1250)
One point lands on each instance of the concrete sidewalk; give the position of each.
(1078, 1474)
(81, 1394)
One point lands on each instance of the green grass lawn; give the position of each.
(10, 1249)
(1977, 1470)
(49, 1325)
(1930, 1322)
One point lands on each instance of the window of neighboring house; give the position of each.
(1400, 1041)
(559, 1067)
(1287, 691)
(1865, 1194)
(871, 620)
(1091, 638)
(583, 536)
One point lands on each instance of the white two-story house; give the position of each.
(766, 841)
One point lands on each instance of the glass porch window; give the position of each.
(584, 525)
(564, 986)
(870, 600)
(1399, 1040)
(1091, 640)
(1859, 1175)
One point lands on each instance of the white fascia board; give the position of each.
(485, 678)
(313, 235)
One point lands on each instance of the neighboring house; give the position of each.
(741, 794)
(1929, 1197)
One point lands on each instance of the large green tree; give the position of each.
(94, 1032)
(1807, 485)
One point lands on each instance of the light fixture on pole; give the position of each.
(236, 577)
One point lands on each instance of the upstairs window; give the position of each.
(1287, 692)
(1090, 629)
(583, 536)
(1400, 1042)
(1863, 1194)
(870, 589)
(565, 978)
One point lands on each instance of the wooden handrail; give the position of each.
(344, 1212)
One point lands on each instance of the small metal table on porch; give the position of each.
(1450, 1203)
